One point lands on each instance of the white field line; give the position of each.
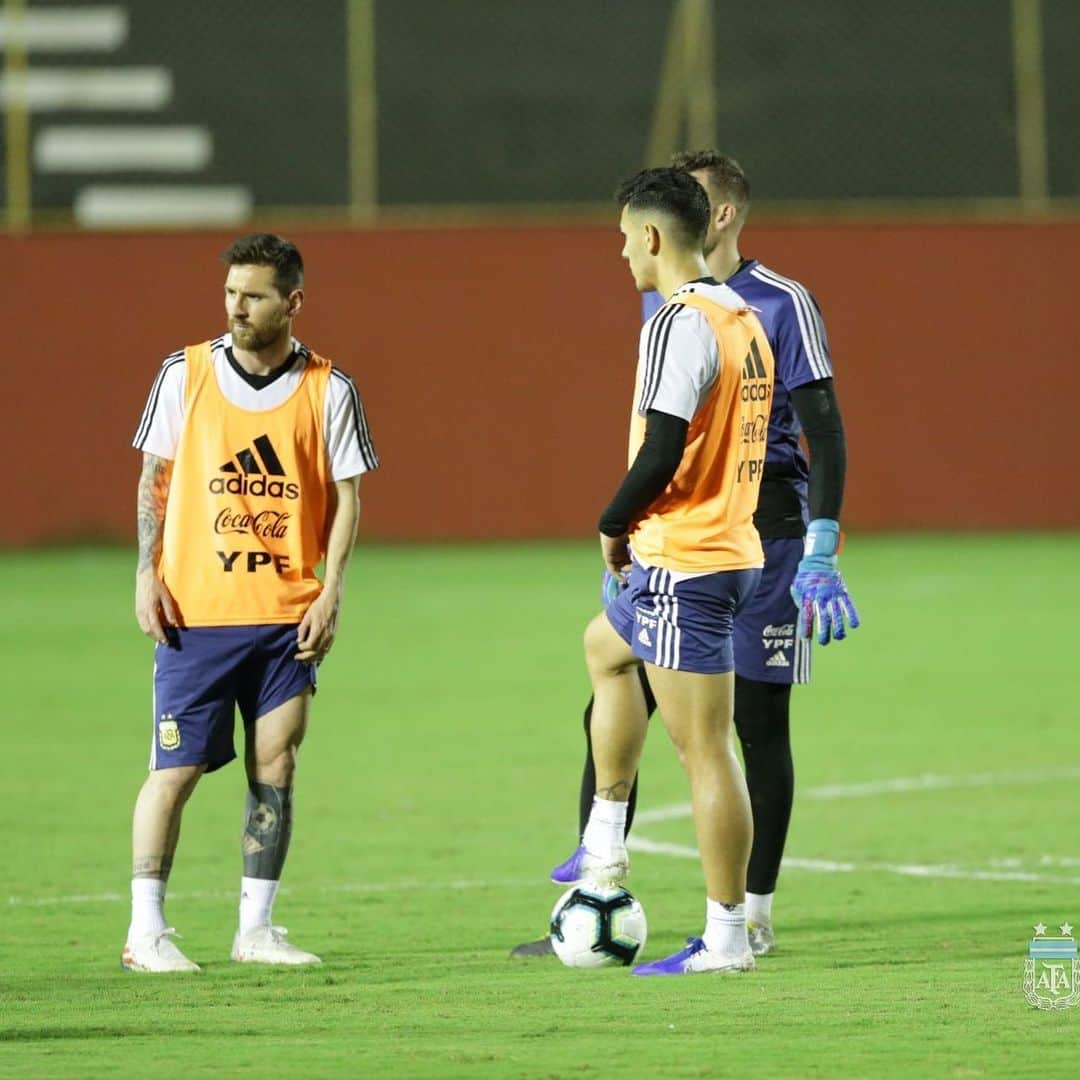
(1001, 869)
(899, 784)
(829, 866)
(933, 782)
(231, 894)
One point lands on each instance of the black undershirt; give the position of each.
(818, 412)
(654, 467)
(261, 382)
(779, 511)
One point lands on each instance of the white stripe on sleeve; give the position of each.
(811, 327)
(348, 437)
(159, 429)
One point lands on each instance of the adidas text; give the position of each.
(255, 485)
(756, 391)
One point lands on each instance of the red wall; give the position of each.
(497, 365)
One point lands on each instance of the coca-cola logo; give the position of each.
(756, 430)
(267, 524)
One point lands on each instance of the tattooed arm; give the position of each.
(154, 607)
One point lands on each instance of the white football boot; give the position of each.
(155, 953)
(267, 945)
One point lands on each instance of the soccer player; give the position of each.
(679, 533)
(253, 447)
(800, 579)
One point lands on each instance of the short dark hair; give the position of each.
(673, 192)
(725, 174)
(265, 249)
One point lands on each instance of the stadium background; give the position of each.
(446, 169)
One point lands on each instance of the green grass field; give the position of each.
(439, 784)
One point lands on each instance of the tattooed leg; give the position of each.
(156, 826)
(155, 833)
(267, 830)
(152, 866)
(270, 757)
(620, 719)
(619, 723)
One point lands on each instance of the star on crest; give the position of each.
(1040, 929)
(1066, 929)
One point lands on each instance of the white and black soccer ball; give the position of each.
(595, 926)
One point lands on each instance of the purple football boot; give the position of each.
(601, 870)
(695, 959)
(569, 872)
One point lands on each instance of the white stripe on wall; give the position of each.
(134, 205)
(66, 29)
(73, 89)
(116, 149)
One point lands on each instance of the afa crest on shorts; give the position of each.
(168, 732)
(1052, 971)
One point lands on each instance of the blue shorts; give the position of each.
(681, 622)
(766, 647)
(201, 677)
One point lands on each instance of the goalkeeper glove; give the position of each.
(610, 589)
(818, 590)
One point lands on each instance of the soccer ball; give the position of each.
(595, 926)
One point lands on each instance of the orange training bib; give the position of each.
(246, 519)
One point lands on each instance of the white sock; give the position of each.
(256, 902)
(147, 907)
(607, 827)
(759, 908)
(725, 928)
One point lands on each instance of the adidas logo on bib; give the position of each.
(251, 469)
(778, 659)
(267, 456)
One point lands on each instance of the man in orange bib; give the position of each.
(680, 533)
(253, 447)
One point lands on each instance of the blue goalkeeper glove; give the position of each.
(610, 589)
(818, 590)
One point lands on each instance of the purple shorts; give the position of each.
(682, 622)
(205, 673)
(766, 647)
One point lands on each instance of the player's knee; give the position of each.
(682, 741)
(593, 642)
(176, 782)
(277, 767)
(605, 652)
(703, 740)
